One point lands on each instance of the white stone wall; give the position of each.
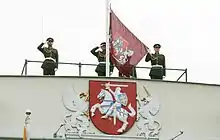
(192, 108)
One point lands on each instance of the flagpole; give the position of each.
(107, 37)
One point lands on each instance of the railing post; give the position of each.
(134, 73)
(186, 75)
(80, 66)
(26, 63)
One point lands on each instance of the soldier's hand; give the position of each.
(148, 50)
(100, 48)
(55, 69)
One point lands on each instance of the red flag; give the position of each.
(126, 50)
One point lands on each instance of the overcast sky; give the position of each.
(188, 31)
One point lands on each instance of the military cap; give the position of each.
(103, 43)
(157, 45)
(50, 39)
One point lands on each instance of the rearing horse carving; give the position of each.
(106, 102)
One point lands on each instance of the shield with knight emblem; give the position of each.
(112, 106)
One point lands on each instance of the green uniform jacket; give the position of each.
(53, 53)
(101, 66)
(157, 59)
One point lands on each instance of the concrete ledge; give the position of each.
(70, 136)
(96, 77)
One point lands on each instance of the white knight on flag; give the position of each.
(126, 49)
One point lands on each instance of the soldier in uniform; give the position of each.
(158, 70)
(101, 55)
(50, 64)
